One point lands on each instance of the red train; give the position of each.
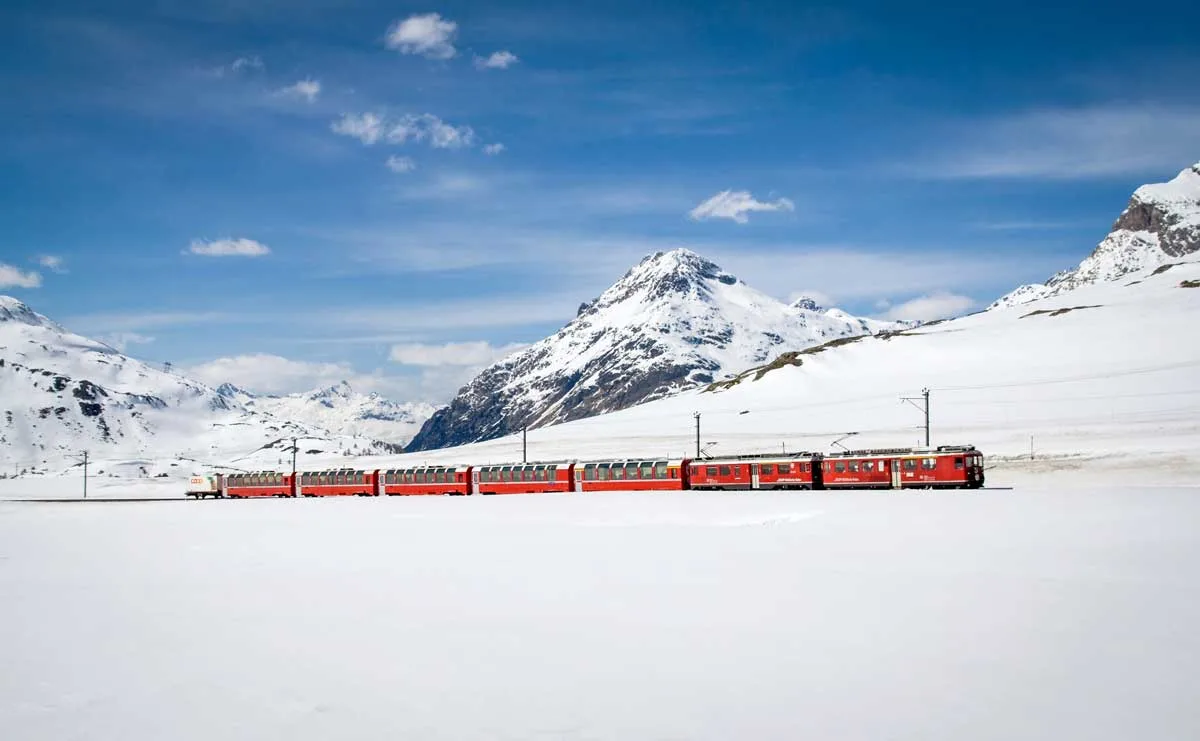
(946, 467)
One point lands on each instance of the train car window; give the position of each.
(710, 471)
(589, 472)
(910, 464)
(958, 464)
(660, 470)
(674, 473)
(724, 470)
(602, 469)
(618, 472)
(506, 474)
(631, 471)
(647, 470)
(853, 466)
(767, 469)
(840, 466)
(929, 463)
(868, 466)
(785, 468)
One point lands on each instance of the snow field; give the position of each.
(1032, 614)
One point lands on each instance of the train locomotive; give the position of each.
(943, 467)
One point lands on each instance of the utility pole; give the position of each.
(525, 443)
(295, 448)
(697, 416)
(85, 465)
(924, 407)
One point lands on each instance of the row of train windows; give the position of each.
(909, 464)
(618, 472)
(257, 479)
(764, 469)
(332, 479)
(420, 477)
(517, 473)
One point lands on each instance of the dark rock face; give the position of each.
(1174, 238)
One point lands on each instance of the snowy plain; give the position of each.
(1034, 613)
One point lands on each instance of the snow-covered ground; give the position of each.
(1037, 613)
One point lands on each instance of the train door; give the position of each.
(753, 475)
(894, 467)
(296, 488)
(473, 481)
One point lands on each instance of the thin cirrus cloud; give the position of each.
(264, 373)
(306, 89)
(451, 353)
(13, 277)
(400, 164)
(121, 341)
(494, 149)
(938, 305)
(497, 60)
(428, 35)
(240, 247)
(371, 128)
(736, 205)
(1066, 144)
(51, 262)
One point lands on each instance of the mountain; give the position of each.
(61, 394)
(1160, 225)
(674, 321)
(341, 409)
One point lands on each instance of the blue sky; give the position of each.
(284, 194)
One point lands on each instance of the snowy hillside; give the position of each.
(1108, 374)
(1160, 225)
(342, 410)
(61, 394)
(674, 321)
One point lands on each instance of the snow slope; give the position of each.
(61, 394)
(1160, 225)
(674, 321)
(342, 410)
(1106, 373)
(1039, 615)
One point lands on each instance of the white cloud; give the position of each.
(370, 128)
(939, 305)
(494, 149)
(428, 127)
(241, 64)
(366, 127)
(240, 247)
(497, 60)
(1067, 144)
(428, 35)
(400, 164)
(11, 277)
(122, 340)
(51, 262)
(474, 354)
(263, 373)
(307, 89)
(734, 205)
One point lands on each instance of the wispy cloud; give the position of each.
(366, 127)
(428, 35)
(239, 65)
(939, 305)
(400, 164)
(122, 340)
(735, 205)
(271, 374)
(13, 277)
(451, 353)
(494, 149)
(1066, 144)
(240, 247)
(307, 89)
(51, 262)
(370, 128)
(1030, 226)
(497, 60)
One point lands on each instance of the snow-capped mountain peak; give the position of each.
(13, 310)
(673, 321)
(339, 407)
(1160, 224)
(807, 304)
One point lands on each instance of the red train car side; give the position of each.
(260, 484)
(944, 467)
(339, 483)
(632, 475)
(426, 480)
(757, 472)
(523, 478)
